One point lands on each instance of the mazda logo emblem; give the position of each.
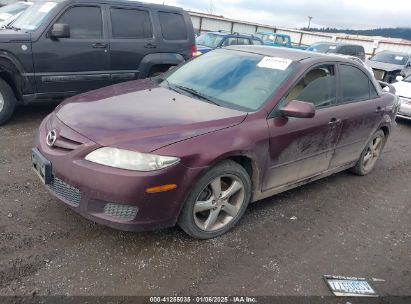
(51, 138)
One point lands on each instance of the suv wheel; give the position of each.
(7, 102)
(217, 201)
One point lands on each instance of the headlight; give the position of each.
(130, 160)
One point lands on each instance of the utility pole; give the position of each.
(309, 21)
(211, 8)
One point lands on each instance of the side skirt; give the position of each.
(261, 195)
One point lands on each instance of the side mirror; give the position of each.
(60, 30)
(298, 109)
(408, 64)
(399, 78)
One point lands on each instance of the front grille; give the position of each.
(66, 143)
(121, 212)
(67, 192)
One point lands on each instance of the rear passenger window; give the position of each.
(84, 22)
(173, 26)
(230, 41)
(354, 84)
(257, 42)
(130, 23)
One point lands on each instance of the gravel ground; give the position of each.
(341, 225)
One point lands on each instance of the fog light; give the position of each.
(161, 188)
(122, 212)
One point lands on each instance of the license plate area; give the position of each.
(41, 166)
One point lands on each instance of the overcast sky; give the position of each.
(352, 14)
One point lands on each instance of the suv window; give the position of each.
(318, 86)
(84, 21)
(230, 41)
(354, 84)
(242, 41)
(347, 50)
(130, 23)
(173, 26)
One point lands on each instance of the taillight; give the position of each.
(193, 50)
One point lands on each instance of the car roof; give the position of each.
(293, 54)
(394, 52)
(120, 2)
(335, 43)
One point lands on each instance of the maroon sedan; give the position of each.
(196, 145)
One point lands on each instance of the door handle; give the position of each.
(150, 45)
(334, 121)
(99, 45)
(379, 110)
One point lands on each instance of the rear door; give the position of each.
(360, 109)
(78, 63)
(131, 38)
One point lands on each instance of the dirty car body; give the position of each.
(236, 106)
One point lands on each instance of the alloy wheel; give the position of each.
(219, 203)
(373, 152)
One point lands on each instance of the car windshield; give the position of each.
(10, 10)
(393, 58)
(209, 40)
(33, 17)
(233, 79)
(322, 48)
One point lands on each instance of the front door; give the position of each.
(76, 64)
(303, 147)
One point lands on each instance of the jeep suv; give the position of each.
(57, 49)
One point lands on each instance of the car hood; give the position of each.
(9, 35)
(142, 116)
(389, 67)
(403, 88)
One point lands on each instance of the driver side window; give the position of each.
(84, 22)
(317, 86)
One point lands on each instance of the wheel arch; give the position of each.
(158, 59)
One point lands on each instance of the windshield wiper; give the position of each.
(196, 93)
(11, 27)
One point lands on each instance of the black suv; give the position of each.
(338, 48)
(57, 49)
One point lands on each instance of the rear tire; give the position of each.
(7, 102)
(217, 201)
(370, 154)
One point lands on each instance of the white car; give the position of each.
(403, 91)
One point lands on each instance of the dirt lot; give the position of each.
(345, 225)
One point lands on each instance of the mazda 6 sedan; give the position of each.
(195, 146)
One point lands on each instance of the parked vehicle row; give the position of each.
(59, 49)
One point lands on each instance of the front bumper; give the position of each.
(405, 108)
(111, 196)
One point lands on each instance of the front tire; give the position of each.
(7, 102)
(217, 201)
(370, 154)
